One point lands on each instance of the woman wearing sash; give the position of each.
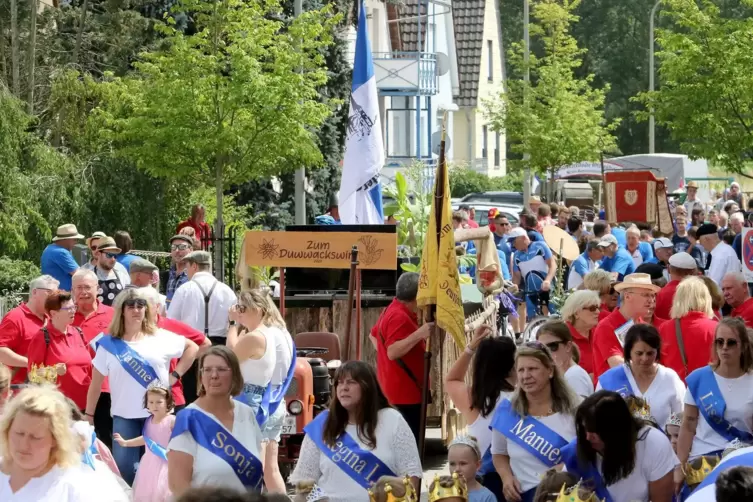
(216, 439)
(265, 351)
(719, 399)
(581, 314)
(621, 456)
(360, 439)
(556, 336)
(530, 429)
(134, 355)
(492, 379)
(642, 376)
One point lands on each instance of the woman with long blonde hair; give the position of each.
(266, 354)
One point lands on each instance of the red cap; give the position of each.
(493, 212)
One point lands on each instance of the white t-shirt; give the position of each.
(208, 468)
(396, 447)
(664, 395)
(654, 458)
(480, 427)
(578, 380)
(126, 393)
(723, 260)
(525, 467)
(71, 484)
(738, 394)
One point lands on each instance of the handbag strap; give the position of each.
(400, 361)
(681, 345)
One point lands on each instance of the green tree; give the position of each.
(464, 180)
(557, 119)
(706, 71)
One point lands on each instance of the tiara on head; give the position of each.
(674, 419)
(467, 441)
(157, 384)
(733, 446)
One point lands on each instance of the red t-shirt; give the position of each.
(664, 299)
(201, 229)
(658, 322)
(182, 329)
(698, 338)
(397, 323)
(586, 351)
(605, 343)
(604, 312)
(744, 312)
(97, 322)
(68, 348)
(17, 329)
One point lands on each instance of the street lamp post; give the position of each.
(527, 79)
(651, 120)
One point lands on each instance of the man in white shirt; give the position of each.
(202, 295)
(721, 259)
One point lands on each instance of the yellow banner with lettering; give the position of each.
(439, 282)
(320, 249)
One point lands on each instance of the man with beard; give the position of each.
(112, 276)
(180, 247)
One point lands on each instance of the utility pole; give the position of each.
(527, 78)
(651, 120)
(300, 173)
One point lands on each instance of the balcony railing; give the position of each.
(406, 72)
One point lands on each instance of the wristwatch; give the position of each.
(176, 375)
(232, 323)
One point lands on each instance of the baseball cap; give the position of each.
(608, 240)
(515, 233)
(683, 260)
(662, 243)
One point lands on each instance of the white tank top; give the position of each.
(283, 344)
(259, 371)
(480, 428)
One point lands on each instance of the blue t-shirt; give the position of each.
(534, 236)
(580, 264)
(481, 495)
(125, 260)
(647, 252)
(538, 253)
(59, 263)
(622, 263)
(621, 236)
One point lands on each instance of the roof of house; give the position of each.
(408, 13)
(468, 16)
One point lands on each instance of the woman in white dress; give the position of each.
(642, 376)
(39, 456)
(530, 429)
(557, 337)
(621, 456)
(492, 379)
(265, 351)
(216, 439)
(360, 439)
(722, 390)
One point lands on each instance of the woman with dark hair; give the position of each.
(642, 376)
(530, 429)
(492, 379)
(558, 338)
(719, 399)
(621, 456)
(359, 440)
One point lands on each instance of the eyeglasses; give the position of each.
(591, 308)
(72, 308)
(554, 346)
(179, 247)
(111, 255)
(220, 370)
(720, 342)
(135, 303)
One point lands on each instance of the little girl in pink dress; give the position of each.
(150, 484)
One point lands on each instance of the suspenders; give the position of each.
(207, 296)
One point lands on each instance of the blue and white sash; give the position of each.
(745, 459)
(586, 472)
(88, 455)
(616, 380)
(220, 442)
(530, 434)
(487, 462)
(153, 446)
(273, 395)
(131, 361)
(360, 465)
(710, 402)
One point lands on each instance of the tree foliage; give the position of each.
(557, 118)
(706, 97)
(464, 180)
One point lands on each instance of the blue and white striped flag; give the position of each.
(360, 198)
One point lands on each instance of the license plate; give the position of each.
(288, 426)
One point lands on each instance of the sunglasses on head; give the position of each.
(535, 345)
(138, 303)
(720, 342)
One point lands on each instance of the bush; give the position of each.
(464, 180)
(15, 275)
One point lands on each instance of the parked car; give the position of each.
(511, 199)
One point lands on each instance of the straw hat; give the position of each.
(691, 184)
(637, 281)
(67, 231)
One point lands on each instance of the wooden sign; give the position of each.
(321, 249)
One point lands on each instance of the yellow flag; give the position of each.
(439, 282)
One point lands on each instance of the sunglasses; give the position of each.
(179, 247)
(720, 342)
(592, 308)
(135, 303)
(93, 248)
(111, 255)
(554, 346)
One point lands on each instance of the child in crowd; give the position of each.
(464, 457)
(150, 484)
(552, 485)
(672, 429)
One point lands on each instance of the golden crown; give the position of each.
(458, 489)
(43, 374)
(696, 476)
(573, 495)
(640, 408)
(410, 493)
